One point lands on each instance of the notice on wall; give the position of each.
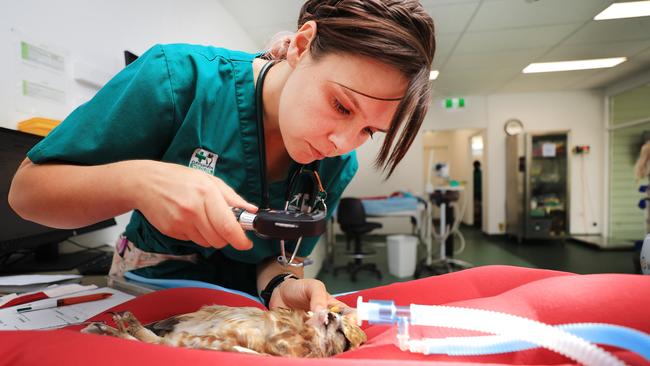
(42, 57)
(549, 150)
(41, 81)
(42, 91)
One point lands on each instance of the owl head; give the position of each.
(338, 331)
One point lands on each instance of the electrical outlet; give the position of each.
(594, 224)
(502, 227)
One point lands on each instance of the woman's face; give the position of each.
(331, 106)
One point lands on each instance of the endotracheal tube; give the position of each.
(512, 333)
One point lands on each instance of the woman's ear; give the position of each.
(301, 42)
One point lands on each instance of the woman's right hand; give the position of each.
(188, 204)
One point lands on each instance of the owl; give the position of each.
(278, 332)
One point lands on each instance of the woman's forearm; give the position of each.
(271, 268)
(72, 196)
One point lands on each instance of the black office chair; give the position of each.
(352, 219)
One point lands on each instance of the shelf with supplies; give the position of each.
(537, 185)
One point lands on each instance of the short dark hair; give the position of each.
(399, 33)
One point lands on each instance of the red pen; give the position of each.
(25, 299)
(48, 293)
(53, 303)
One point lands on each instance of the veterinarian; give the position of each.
(174, 137)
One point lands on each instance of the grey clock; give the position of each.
(513, 127)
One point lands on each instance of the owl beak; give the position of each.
(331, 317)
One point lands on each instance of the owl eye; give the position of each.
(348, 345)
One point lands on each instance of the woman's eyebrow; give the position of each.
(366, 95)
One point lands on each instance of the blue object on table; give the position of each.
(389, 205)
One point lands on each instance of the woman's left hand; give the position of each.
(303, 294)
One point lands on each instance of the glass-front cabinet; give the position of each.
(537, 200)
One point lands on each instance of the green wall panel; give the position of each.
(627, 221)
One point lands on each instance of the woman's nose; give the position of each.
(344, 141)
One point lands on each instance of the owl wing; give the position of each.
(165, 326)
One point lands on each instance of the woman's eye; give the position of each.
(340, 108)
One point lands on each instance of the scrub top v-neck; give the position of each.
(190, 105)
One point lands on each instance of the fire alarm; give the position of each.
(581, 149)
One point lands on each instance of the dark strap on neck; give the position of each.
(261, 144)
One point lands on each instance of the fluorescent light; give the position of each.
(433, 74)
(573, 65)
(625, 10)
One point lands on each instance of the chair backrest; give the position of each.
(351, 212)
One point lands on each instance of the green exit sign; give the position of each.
(453, 103)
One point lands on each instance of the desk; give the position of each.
(421, 212)
(414, 207)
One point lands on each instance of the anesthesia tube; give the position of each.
(604, 334)
(511, 326)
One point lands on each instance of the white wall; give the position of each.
(95, 33)
(579, 111)
(582, 113)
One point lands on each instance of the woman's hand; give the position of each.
(188, 204)
(303, 294)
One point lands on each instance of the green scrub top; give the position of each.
(195, 106)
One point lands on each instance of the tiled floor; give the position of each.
(483, 250)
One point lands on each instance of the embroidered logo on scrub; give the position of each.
(204, 160)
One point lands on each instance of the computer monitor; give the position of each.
(24, 245)
(129, 57)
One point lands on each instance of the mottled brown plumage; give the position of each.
(280, 332)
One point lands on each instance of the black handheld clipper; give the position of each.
(282, 224)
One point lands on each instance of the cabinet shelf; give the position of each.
(537, 185)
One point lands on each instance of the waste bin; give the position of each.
(402, 255)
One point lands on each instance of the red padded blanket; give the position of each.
(548, 296)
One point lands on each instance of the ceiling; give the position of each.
(482, 45)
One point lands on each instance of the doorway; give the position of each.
(449, 157)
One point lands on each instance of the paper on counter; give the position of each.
(61, 316)
(24, 280)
